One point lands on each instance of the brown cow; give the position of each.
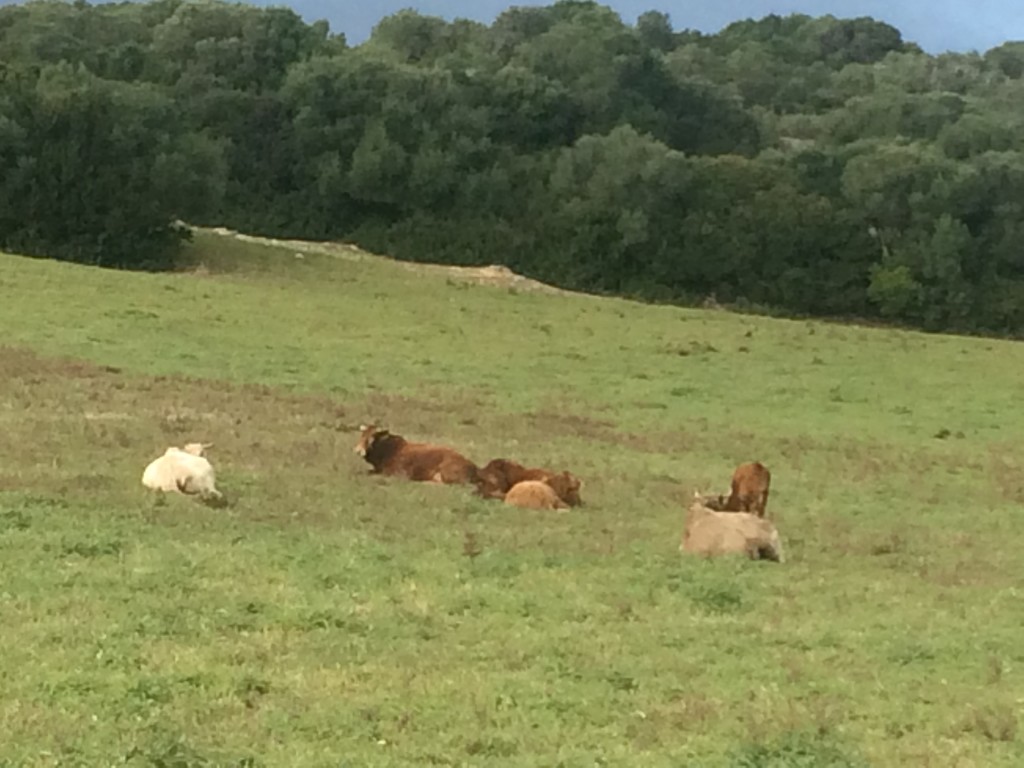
(494, 477)
(390, 454)
(500, 475)
(534, 494)
(567, 486)
(710, 533)
(749, 489)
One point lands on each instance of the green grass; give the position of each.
(331, 618)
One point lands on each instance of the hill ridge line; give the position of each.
(497, 275)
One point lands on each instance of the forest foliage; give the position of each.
(798, 165)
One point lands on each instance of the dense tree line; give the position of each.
(803, 165)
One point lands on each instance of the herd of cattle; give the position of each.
(715, 525)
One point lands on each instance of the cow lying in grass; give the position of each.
(534, 494)
(390, 454)
(709, 533)
(749, 491)
(184, 470)
(498, 477)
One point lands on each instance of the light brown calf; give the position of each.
(498, 476)
(534, 494)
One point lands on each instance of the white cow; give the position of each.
(708, 532)
(183, 470)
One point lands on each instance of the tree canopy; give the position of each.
(811, 166)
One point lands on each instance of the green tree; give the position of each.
(920, 277)
(753, 163)
(1008, 58)
(862, 40)
(655, 31)
(613, 202)
(231, 45)
(95, 171)
(582, 50)
(411, 37)
(380, 167)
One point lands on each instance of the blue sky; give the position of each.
(936, 25)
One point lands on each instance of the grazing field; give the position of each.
(330, 618)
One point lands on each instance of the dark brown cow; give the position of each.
(567, 486)
(499, 475)
(390, 454)
(749, 489)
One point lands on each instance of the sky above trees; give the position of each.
(935, 25)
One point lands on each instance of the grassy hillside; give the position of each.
(331, 618)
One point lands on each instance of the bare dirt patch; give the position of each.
(496, 275)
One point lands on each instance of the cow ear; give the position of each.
(206, 445)
(696, 493)
(363, 427)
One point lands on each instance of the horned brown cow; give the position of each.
(498, 476)
(390, 454)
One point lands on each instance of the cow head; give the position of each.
(568, 487)
(714, 502)
(697, 505)
(493, 479)
(368, 435)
